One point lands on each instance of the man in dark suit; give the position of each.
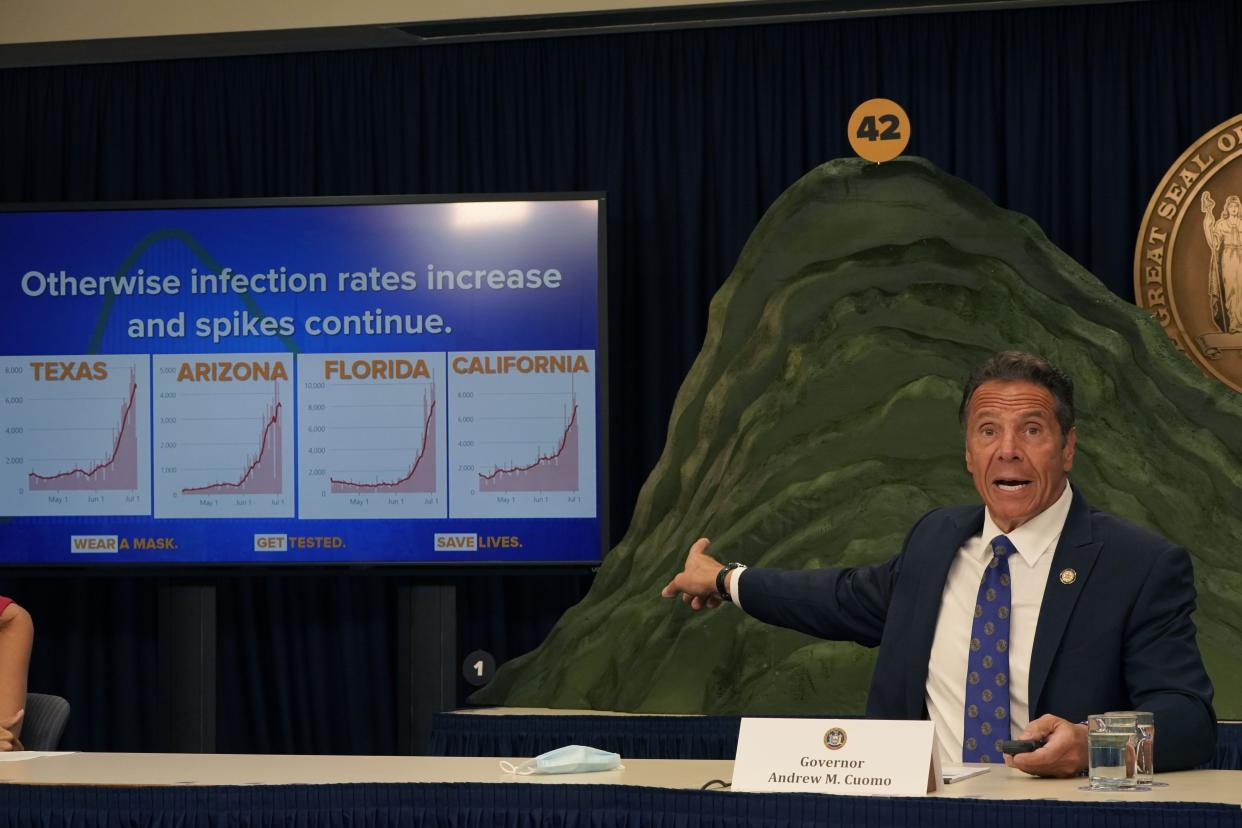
(1017, 618)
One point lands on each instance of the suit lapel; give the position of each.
(1076, 551)
(927, 607)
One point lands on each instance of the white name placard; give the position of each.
(837, 756)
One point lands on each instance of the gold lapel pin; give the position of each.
(1068, 576)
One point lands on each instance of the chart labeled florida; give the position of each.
(522, 433)
(372, 436)
(223, 435)
(75, 435)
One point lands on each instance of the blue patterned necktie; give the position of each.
(987, 676)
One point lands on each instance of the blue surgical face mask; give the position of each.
(568, 759)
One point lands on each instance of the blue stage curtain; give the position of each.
(1068, 114)
(565, 806)
(648, 737)
(637, 737)
(1228, 747)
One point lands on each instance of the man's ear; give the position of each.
(1067, 455)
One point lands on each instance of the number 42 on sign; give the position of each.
(879, 130)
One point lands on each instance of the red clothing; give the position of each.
(4, 603)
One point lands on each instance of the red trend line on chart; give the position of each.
(263, 473)
(556, 472)
(119, 471)
(422, 474)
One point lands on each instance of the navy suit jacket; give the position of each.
(1119, 637)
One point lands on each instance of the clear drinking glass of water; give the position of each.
(1112, 749)
(1144, 760)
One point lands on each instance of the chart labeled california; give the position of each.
(522, 434)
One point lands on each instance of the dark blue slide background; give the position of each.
(541, 234)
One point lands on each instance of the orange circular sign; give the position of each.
(879, 130)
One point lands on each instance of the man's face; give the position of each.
(1015, 451)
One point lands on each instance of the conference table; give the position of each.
(152, 789)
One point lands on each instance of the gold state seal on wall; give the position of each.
(1188, 259)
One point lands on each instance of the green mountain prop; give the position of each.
(819, 421)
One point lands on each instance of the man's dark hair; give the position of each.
(1020, 366)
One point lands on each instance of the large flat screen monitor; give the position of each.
(313, 382)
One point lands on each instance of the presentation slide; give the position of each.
(303, 382)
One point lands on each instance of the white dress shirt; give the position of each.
(1035, 542)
